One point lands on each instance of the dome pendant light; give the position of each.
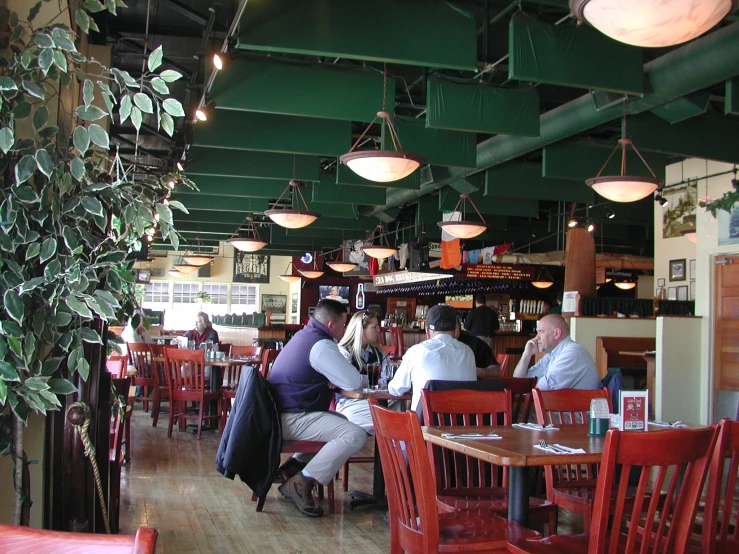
(288, 276)
(543, 279)
(379, 252)
(652, 23)
(464, 229)
(246, 243)
(311, 273)
(340, 264)
(623, 187)
(293, 218)
(198, 259)
(690, 235)
(382, 166)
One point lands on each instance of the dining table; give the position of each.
(378, 496)
(517, 450)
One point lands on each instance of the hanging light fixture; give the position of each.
(247, 243)
(340, 264)
(625, 285)
(293, 218)
(543, 279)
(382, 166)
(623, 187)
(690, 234)
(652, 23)
(288, 276)
(174, 272)
(314, 273)
(462, 228)
(197, 259)
(378, 251)
(185, 268)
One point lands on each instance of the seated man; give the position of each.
(303, 378)
(441, 356)
(567, 365)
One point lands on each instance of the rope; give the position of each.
(90, 453)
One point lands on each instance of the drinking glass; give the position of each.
(191, 345)
(373, 371)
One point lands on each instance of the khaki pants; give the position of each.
(343, 439)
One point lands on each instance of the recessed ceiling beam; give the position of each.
(448, 199)
(579, 161)
(525, 181)
(438, 146)
(345, 211)
(205, 202)
(266, 165)
(239, 186)
(684, 108)
(330, 193)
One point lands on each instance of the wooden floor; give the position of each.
(172, 485)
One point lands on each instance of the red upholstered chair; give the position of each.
(503, 361)
(238, 351)
(721, 512)
(140, 357)
(16, 539)
(463, 481)
(569, 486)
(673, 461)
(185, 371)
(417, 524)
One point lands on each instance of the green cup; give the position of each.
(598, 426)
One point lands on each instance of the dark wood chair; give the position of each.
(503, 361)
(185, 372)
(140, 356)
(225, 347)
(115, 451)
(673, 461)
(239, 351)
(569, 486)
(463, 481)
(417, 524)
(268, 358)
(15, 539)
(230, 384)
(520, 388)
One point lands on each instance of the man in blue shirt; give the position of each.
(567, 365)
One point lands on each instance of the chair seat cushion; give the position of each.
(555, 544)
(478, 526)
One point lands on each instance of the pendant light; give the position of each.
(184, 268)
(652, 23)
(197, 259)
(624, 187)
(625, 285)
(293, 218)
(543, 279)
(340, 264)
(690, 235)
(314, 273)
(174, 273)
(246, 243)
(462, 228)
(378, 251)
(382, 166)
(288, 276)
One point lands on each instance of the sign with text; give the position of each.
(406, 277)
(499, 271)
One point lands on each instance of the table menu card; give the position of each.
(634, 410)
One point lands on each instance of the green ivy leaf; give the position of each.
(178, 205)
(99, 136)
(36, 383)
(70, 238)
(143, 102)
(90, 335)
(30, 285)
(10, 329)
(170, 75)
(40, 118)
(25, 194)
(3, 392)
(7, 83)
(83, 368)
(94, 26)
(167, 124)
(8, 372)
(44, 162)
(61, 386)
(158, 84)
(78, 168)
(81, 140)
(123, 78)
(88, 92)
(92, 205)
(107, 298)
(22, 110)
(63, 42)
(6, 139)
(114, 281)
(61, 319)
(155, 58)
(89, 113)
(34, 90)
(48, 249)
(109, 105)
(78, 307)
(16, 347)
(83, 20)
(45, 59)
(42, 40)
(33, 250)
(24, 169)
(13, 305)
(94, 6)
(125, 109)
(136, 117)
(173, 107)
(60, 60)
(110, 5)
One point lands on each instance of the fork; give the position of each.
(544, 444)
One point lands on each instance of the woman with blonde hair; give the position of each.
(359, 346)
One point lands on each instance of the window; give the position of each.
(243, 298)
(184, 293)
(157, 292)
(218, 293)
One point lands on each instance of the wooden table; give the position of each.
(378, 497)
(516, 450)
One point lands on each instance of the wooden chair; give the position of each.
(15, 539)
(268, 358)
(225, 347)
(503, 361)
(520, 388)
(238, 351)
(231, 383)
(673, 461)
(417, 523)
(569, 486)
(721, 514)
(463, 481)
(115, 452)
(161, 389)
(396, 334)
(140, 357)
(116, 366)
(185, 371)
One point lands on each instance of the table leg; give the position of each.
(518, 495)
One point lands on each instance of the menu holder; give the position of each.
(634, 410)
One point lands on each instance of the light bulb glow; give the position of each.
(382, 166)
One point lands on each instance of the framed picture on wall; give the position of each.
(682, 292)
(661, 282)
(692, 290)
(250, 268)
(677, 270)
(692, 270)
(275, 303)
(294, 304)
(672, 293)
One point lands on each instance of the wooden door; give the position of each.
(726, 348)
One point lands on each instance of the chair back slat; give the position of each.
(468, 408)
(672, 467)
(503, 361)
(239, 351)
(140, 356)
(268, 358)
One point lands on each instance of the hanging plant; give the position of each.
(726, 202)
(70, 214)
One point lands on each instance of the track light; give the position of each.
(572, 223)
(220, 60)
(591, 226)
(180, 166)
(202, 113)
(661, 200)
(610, 214)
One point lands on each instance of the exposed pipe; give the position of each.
(695, 66)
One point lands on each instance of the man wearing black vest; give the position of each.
(303, 377)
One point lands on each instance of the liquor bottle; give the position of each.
(360, 296)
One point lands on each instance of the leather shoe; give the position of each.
(300, 490)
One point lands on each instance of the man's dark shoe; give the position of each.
(289, 469)
(300, 490)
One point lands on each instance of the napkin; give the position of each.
(674, 424)
(559, 449)
(535, 427)
(471, 436)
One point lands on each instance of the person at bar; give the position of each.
(482, 322)
(203, 331)
(566, 365)
(440, 356)
(487, 366)
(304, 377)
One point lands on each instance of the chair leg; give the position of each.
(127, 434)
(200, 419)
(345, 477)
(331, 507)
(553, 516)
(155, 407)
(172, 411)
(586, 520)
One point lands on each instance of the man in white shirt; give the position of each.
(567, 365)
(441, 356)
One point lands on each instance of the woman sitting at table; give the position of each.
(359, 346)
(203, 331)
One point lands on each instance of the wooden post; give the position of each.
(580, 262)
